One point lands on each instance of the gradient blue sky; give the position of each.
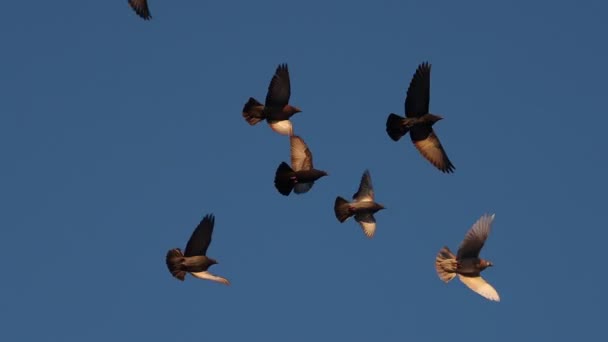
(117, 135)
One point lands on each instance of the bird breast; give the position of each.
(365, 207)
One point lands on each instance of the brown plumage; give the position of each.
(194, 260)
(467, 264)
(363, 207)
(276, 110)
(141, 8)
(419, 122)
(301, 176)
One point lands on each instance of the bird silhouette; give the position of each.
(363, 206)
(419, 122)
(276, 110)
(467, 264)
(194, 260)
(301, 176)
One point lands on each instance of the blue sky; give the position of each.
(117, 135)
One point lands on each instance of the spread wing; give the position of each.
(429, 146)
(367, 223)
(366, 189)
(279, 89)
(301, 158)
(201, 237)
(206, 275)
(475, 238)
(141, 8)
(480, 286)
(418, 93)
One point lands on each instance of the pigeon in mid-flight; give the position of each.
(363, 206)
(276, 110)
(301, 176)
(467, 264)
(194, 260)
(141, 8)
(419, 121)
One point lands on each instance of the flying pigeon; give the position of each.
(362, 207)
(277, 110)
(194, 260)
(301, 176)
(467, 264)
(141, 8)
(419, 122)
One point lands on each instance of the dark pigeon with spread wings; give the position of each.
(301, 176)
(194, 260)
(141, 8)
(419, 121)
(363, 207)
(276, 110)
(467, 264)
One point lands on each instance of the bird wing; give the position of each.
(475, 238)
(279, 89)
(419, 92)
(429, 146)
(283, 127)
(366, 189)
(210, 276)
(480, 286)
(201, 237)
(367, 223)
(301, 158)
(141, 8)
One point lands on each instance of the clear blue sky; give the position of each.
(117, 135)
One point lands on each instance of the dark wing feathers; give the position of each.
(201, 237)
(366, 188)
(418, 93)
(279, 89)
(475, 238)
(141, 8)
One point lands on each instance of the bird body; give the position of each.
(363, 207)
(418, 121)
(276, 110)
(466, 263)
(301, 175)
(194, 260)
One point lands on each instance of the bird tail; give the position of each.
(282, 181)
(395, 127)
(341, 209)
(253, 111)
(446, 264)
(174, 263)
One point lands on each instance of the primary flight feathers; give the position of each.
(194, 259)
(363, 206)
(466, 263)
(276, 110)
(419, 121)
(141, 8)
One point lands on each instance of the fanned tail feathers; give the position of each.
(174, 263)
(446, 264)
(253, 111)
(282, 181)
(341, 209)
(395, 127)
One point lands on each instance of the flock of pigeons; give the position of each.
(301, 176)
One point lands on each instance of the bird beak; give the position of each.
(297, 110)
